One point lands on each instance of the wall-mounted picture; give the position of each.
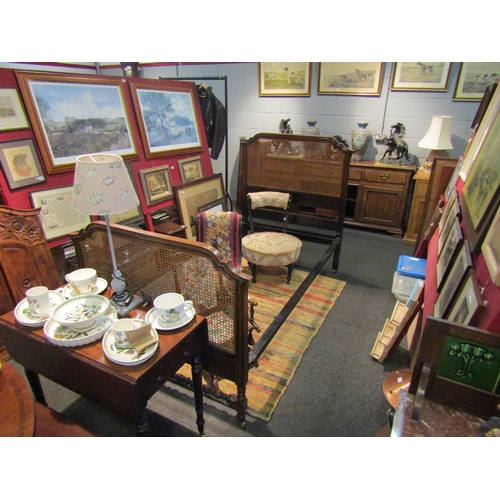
(421, 76)
(12, 115)
(167, 118)
(76, 115)
(192, 195)
(491, 249)
(190, 169)
(20, 163)
(481, 191)
(285, 79)
(469, 303)
(156, 184)
(474, 78)
(57, 215)
(346, 78)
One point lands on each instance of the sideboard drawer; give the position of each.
(355, 174)
(385, 176)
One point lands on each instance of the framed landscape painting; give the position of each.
(156, 184)
(12, 114)
(168, 121)
(474, 78)
(190, 169)
(285, 79)
(358, 78)
(419, 76)
(76, 115)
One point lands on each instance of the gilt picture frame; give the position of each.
(491, 249)
(77, 115)
(20, 163)
(156, 184)
(192, 195)
(56, 211)
(285, 79)
(12, 115)
(347, 78)
(190, 169)
(167, 114)
(421, 77)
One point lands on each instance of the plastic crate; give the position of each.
(412, 266)
(402, 286)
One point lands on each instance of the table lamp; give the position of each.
(437, 138)
(102, 186)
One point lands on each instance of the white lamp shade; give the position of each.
(102, 185)
(438, 135)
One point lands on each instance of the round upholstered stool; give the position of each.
(271, 249)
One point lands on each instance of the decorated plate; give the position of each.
(127, 356)
(153, 319)
(100, 286)
(65, 336)
(23, 314)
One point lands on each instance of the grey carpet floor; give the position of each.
(337, 388)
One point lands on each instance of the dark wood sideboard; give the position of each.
(313, 169)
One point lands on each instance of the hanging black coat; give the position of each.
(214, 119)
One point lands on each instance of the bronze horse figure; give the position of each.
(396, 144)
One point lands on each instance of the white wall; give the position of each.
(250, 114)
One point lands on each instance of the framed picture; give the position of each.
(481, 192)
(156, 184)
(451, 213)
(20, 163)
(190, 169)
(214, 206)
(57, 215)
(474, 78)
(76, 115)
(285, 79)
(419, 76)
(450, 249)
(469, 304)
(12, 115)
(167, 116)
(491, 249)
(346, 78)
(462, 264)
(192, 195)
(483, 106)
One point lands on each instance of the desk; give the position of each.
(17, 410)
(86, 371)
(436, 420)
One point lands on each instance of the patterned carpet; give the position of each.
(278, 363)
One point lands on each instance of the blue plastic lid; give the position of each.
(412, 266)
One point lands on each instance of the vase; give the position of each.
(360, 138)
(311, 128)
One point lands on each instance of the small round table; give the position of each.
(17, 411)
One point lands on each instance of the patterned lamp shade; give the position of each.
(102, 185)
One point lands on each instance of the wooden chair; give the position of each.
(270, 248)
(25, 257)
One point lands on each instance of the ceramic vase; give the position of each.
(360, 138)
(311, 128)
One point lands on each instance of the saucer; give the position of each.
(65, 336)
(100, 285)
(127, 356)
(156, 322)
(23, 314)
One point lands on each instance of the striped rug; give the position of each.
(278, 363)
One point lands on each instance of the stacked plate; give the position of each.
(25, 317)
(128, 356)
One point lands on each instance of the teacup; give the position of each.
(120, 329)
(39, 301)
(82, 280)
(171, 307)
